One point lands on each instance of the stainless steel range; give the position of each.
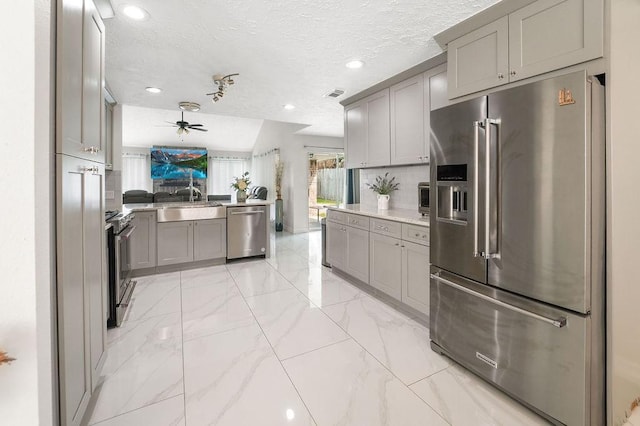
(120, 285)
(517, 243)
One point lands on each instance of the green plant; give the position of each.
(383, 185)
(241, 183)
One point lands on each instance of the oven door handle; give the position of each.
(127, 235)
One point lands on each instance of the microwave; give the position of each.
(423, 198)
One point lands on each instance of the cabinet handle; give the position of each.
(512, 73)
(92, 169)
(500, 76)
(397, 244)
(419, 158)
(92, 150)
(417, 235)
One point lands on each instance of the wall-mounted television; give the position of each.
(169, 162)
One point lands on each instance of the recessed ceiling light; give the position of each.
(134, 12)
(289, 107)
(153, 89)
(356, 63)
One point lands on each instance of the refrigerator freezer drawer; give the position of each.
(536, 353)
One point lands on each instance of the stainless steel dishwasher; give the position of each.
(246, 231)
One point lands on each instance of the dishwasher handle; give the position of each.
(250, 212)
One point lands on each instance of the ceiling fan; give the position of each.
(185, 126)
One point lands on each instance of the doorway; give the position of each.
(326, 183)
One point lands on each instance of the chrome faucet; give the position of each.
(191, 200)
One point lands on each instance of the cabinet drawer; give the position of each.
(336, 216)
(415, 233)
(386, 227)
(358, 221)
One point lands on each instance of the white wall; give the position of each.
(26, 258)
(623, 90)
(296, 164)
(406, 197)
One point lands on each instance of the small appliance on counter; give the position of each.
(423, 198)
(119, 265)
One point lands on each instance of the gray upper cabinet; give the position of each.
(553, 34)
(355, 135)
(143, 241)
(367, 131)
(436, 96)
(210, 239)
(407, 122)
(79, 80)
(175, 242)
(479, 60)
(544, 36)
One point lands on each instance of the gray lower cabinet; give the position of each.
(336, 244)
(143, 241)
(210, 239)
(80, 287)
(357, 256)
(415, 276)
(385, 266)
(175, 242)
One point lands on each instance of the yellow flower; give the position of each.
(242, 185)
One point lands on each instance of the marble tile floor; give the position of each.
(282, 341)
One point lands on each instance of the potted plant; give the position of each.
(241, 185)
(383, 186)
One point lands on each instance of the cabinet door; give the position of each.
(378, 123)
(552, 34)
(355, 135)
(357, 253)
(479, 60)
(407, 121)
(175, 242)
(94, 265)
(210, 239)
(336, 245)
(143, 241)
(385, 268)
(435, 89)
(69, 77)
(92, 83)
(73, 307)
(415, 276)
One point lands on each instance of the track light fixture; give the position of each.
(222, 81)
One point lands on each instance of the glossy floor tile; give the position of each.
(234, 378)
(464, 399)
(292, 324)
(398, 342)
(344, 384)
(281, 341)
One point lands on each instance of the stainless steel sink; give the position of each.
(191, 211)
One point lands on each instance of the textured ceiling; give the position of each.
(286, 51)
(145, 127)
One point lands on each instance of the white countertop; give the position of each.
(139, 207)
(399, 215)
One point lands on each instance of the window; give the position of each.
(221, 172)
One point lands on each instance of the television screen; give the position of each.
(178, 163)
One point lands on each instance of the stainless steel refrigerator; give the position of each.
(517, 243)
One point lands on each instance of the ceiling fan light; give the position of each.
(179, 131)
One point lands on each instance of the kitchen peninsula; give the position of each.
(384, 251)
(175, 236)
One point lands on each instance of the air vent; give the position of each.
(334, 93)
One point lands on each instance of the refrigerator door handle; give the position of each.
(488, 253)
(558, 322)
(476, 164)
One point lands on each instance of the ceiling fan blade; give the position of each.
(198, 129)
(195, 125)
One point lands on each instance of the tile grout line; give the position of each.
(184, 379)
(274, 354)
(134, 409)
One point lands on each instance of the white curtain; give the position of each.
(136, 172)
(221, 172)
(263, 170)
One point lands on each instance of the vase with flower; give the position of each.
(241, 184)
(383, 186)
